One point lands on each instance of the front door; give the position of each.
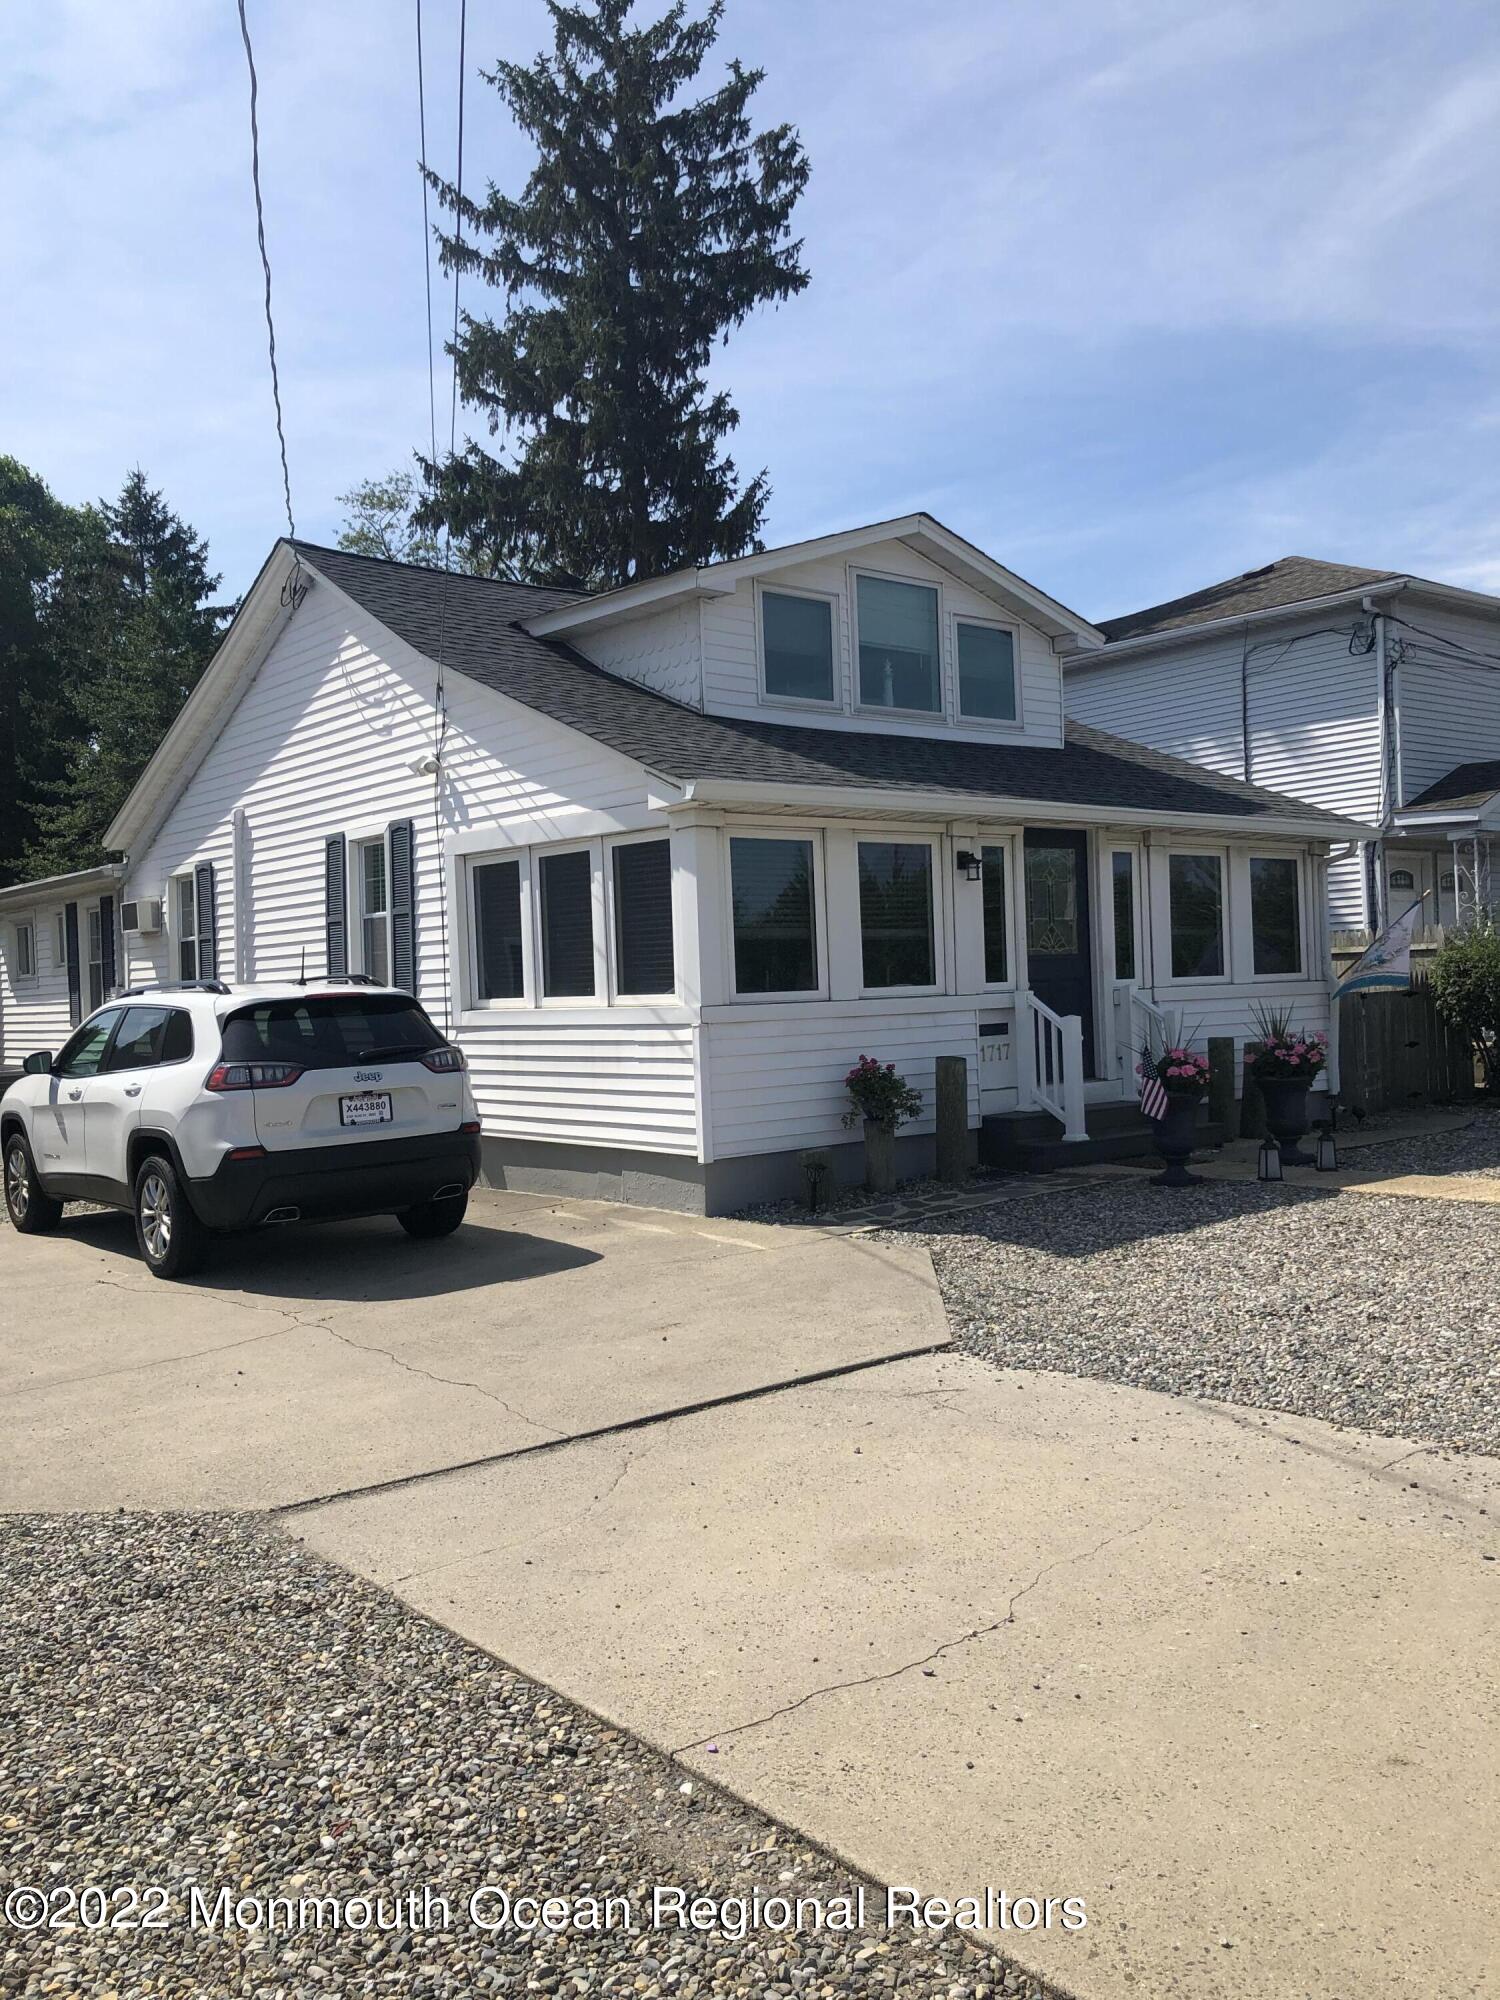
(1059, 962)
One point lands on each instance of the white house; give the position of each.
(667, 861)
(1369, 691)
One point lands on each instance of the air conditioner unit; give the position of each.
(141, 918)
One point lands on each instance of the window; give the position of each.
(986, 672)
(1196, 886)
(372, 889)
(329, 1032)
(25, 951)
(1275, 914)
(1122, 885)
(898, 644)
(83, 1054)
(499, 951)
(96, 959)
(992, 896)
(775, 941)
(185, 916)
(796, 637)
(151, 1035)
(1403, 878)
(567, 896)
(895, 913)
(643, 917)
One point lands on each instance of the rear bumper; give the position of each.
(375, 1177)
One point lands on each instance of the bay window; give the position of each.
(895, 914)
(566, 889)
(897, 627)
(773, 915)
(1275, 914)
(1196, 909)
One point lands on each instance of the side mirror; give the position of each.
(39, 1064)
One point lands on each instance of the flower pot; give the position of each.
(1286, 1114)
(1175, 1133)
(880, 1156)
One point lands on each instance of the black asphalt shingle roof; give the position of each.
(482, 638)
(1289, 581)
(1464, 786)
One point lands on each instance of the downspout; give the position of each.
(1385, 684)
(1245, 758)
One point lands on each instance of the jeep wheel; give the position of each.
(30, 1208)
(170, 1237)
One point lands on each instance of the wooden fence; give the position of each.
(1396, 1052)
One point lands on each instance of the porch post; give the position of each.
(1074, 1126)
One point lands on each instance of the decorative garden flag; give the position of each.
(1388, 961)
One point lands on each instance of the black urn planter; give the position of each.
(1175, 1133)
(1286, 1114)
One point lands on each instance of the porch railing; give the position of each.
(1051, 1060)
(1139, 1021)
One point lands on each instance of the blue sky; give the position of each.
(1134, 293)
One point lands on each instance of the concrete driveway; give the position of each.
(307, 1361)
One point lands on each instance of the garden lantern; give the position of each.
(1328, 1151)
(1270, 1161)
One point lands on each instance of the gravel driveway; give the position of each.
(1363, 1310)
(195, 1698)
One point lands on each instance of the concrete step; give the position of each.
(1018, 1144)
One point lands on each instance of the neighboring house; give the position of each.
(59, 958)
(1367, 691)
(667, 861)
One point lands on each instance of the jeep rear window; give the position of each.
(330, 1031)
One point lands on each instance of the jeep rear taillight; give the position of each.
(444, 1059)
(252, 1076)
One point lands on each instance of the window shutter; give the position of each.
(208, 920)
(107, 945)
(401, 834)
(70, 954)
(335, 892)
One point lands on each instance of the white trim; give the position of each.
(1008, 845)
(835, 703)
(937, 713)
(813, 836)
(355, 847)
(1006, 724)
(1221, 854)
(1304, 942)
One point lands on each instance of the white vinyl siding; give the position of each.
(1449, 710)
(34, 1011)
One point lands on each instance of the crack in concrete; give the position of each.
(1007, 1617)
(531, 1535)
(443, 1381)
(140, 1367)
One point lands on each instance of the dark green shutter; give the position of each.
(335, 893)
(70, 954)
(402, 837)
(207, 908)
(107, 945)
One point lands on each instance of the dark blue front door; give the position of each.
(1059, 962)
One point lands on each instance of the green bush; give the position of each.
(1466, 985)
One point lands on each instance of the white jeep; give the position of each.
(206, 1107)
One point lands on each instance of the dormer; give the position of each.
(902, 628)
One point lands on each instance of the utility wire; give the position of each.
(265, 264)
(426, 251)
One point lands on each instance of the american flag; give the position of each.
(1153, 1096)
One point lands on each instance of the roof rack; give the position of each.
(177, 986)
(343, 979)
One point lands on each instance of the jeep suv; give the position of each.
(205, 1107)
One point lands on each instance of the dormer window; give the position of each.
(986, 671)
(796, 644)
(897, 627)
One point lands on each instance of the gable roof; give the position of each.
(1466, 785)
(1290, 580)
(483, 639)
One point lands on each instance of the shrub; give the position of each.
(878, 1093)
(1466, 985)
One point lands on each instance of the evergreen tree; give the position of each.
(130, 631)
(35, 532)
(651, 224)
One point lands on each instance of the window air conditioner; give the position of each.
(141, 918)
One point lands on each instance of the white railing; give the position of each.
(1139, 1022)
(1051, 1062)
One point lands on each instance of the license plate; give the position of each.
(370, 1107)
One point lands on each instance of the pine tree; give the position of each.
(651, 224)
(35, 530)
(130, 632)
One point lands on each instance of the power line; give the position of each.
(426, 251)
(265, 264)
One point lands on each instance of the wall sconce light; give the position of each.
(1270, 1161)
(1328, 1151)
(970, 864)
